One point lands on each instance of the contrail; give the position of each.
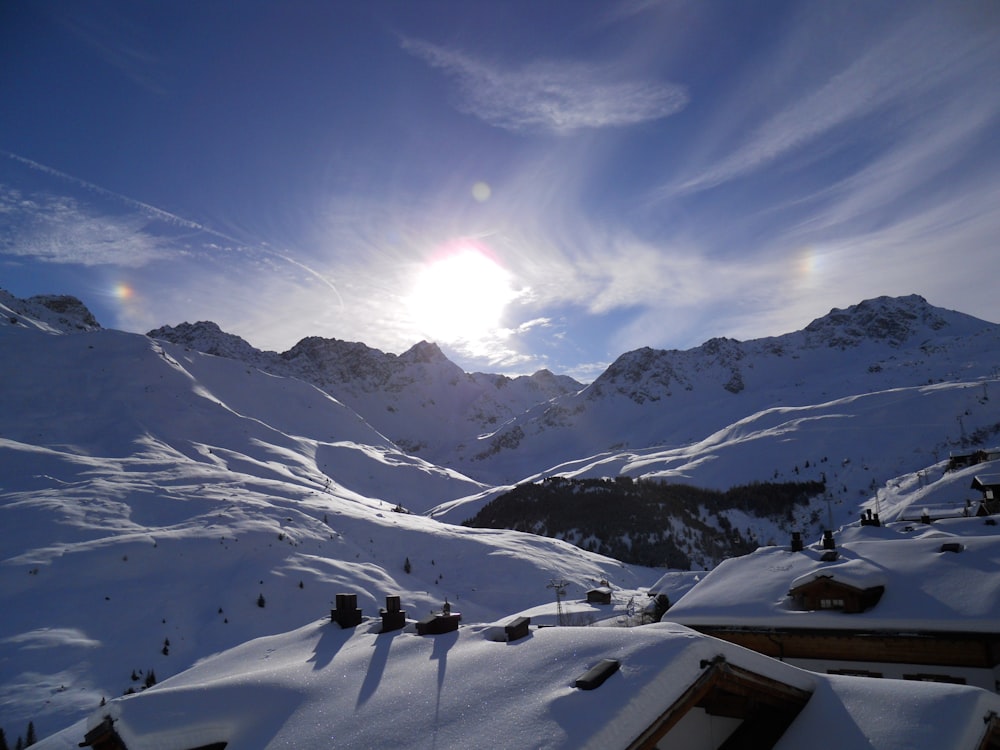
(166, 216)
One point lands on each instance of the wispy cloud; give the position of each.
(557, 97)
(58, 229)
(922, 62)
(115, 40)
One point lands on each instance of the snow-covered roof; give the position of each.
(925, 588)
(858, 574)
(320, 686)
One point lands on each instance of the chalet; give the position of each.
(606, 688)
(911, 602)
(989, 485)
(962, 460)
(599, 595)
(849, 587)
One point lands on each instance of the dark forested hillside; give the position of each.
(645, 521)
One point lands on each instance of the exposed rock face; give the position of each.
(495, 428)
(893, 320)
(419, 399)
(59, 313)
(205, 336)
(652, 397)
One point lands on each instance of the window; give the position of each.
(831, 603)
(854, 672)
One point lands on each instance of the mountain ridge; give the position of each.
(650, 397)
(155, 493)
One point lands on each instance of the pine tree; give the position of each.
(3, 740)
(406, 565)
(260, 601)
(31, 739)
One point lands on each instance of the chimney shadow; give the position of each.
(376, 666)
(331, 641)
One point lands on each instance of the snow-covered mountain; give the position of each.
(419, 399)
(155, 490)
(500, 431)
(651, 401)
(158, 505)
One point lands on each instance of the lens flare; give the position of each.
(481, 192)
(123, 292)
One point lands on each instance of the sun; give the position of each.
(460, 295)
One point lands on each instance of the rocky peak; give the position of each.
(206, 336)
(892, 320)
(56, 312)
(327, 362)
(424, 352)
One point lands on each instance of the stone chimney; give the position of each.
(347, 614)
(797, 545)
(393, 618)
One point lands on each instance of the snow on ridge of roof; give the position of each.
(925, 588)
(322, 686)
(861, 712)
(857, 574)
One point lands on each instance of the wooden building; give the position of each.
(657, 687)
(918, 604)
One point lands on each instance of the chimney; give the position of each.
(393, 618)
(925, 516)
(868, 518)
(797, 545)
(828, 542)
(347, 614)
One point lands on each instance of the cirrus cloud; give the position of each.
(558, 97)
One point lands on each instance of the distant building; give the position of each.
(921, 604)
(599, 595)
(989, 485)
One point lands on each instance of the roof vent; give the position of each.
(597, 674)
(517, 628)
(436, 623)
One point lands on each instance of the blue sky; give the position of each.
(531, 184)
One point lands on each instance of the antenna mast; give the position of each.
(560, 587)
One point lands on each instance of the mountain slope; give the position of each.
(419, 399)
(663, 399)
(150, 495)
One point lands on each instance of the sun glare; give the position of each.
(460, 296)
